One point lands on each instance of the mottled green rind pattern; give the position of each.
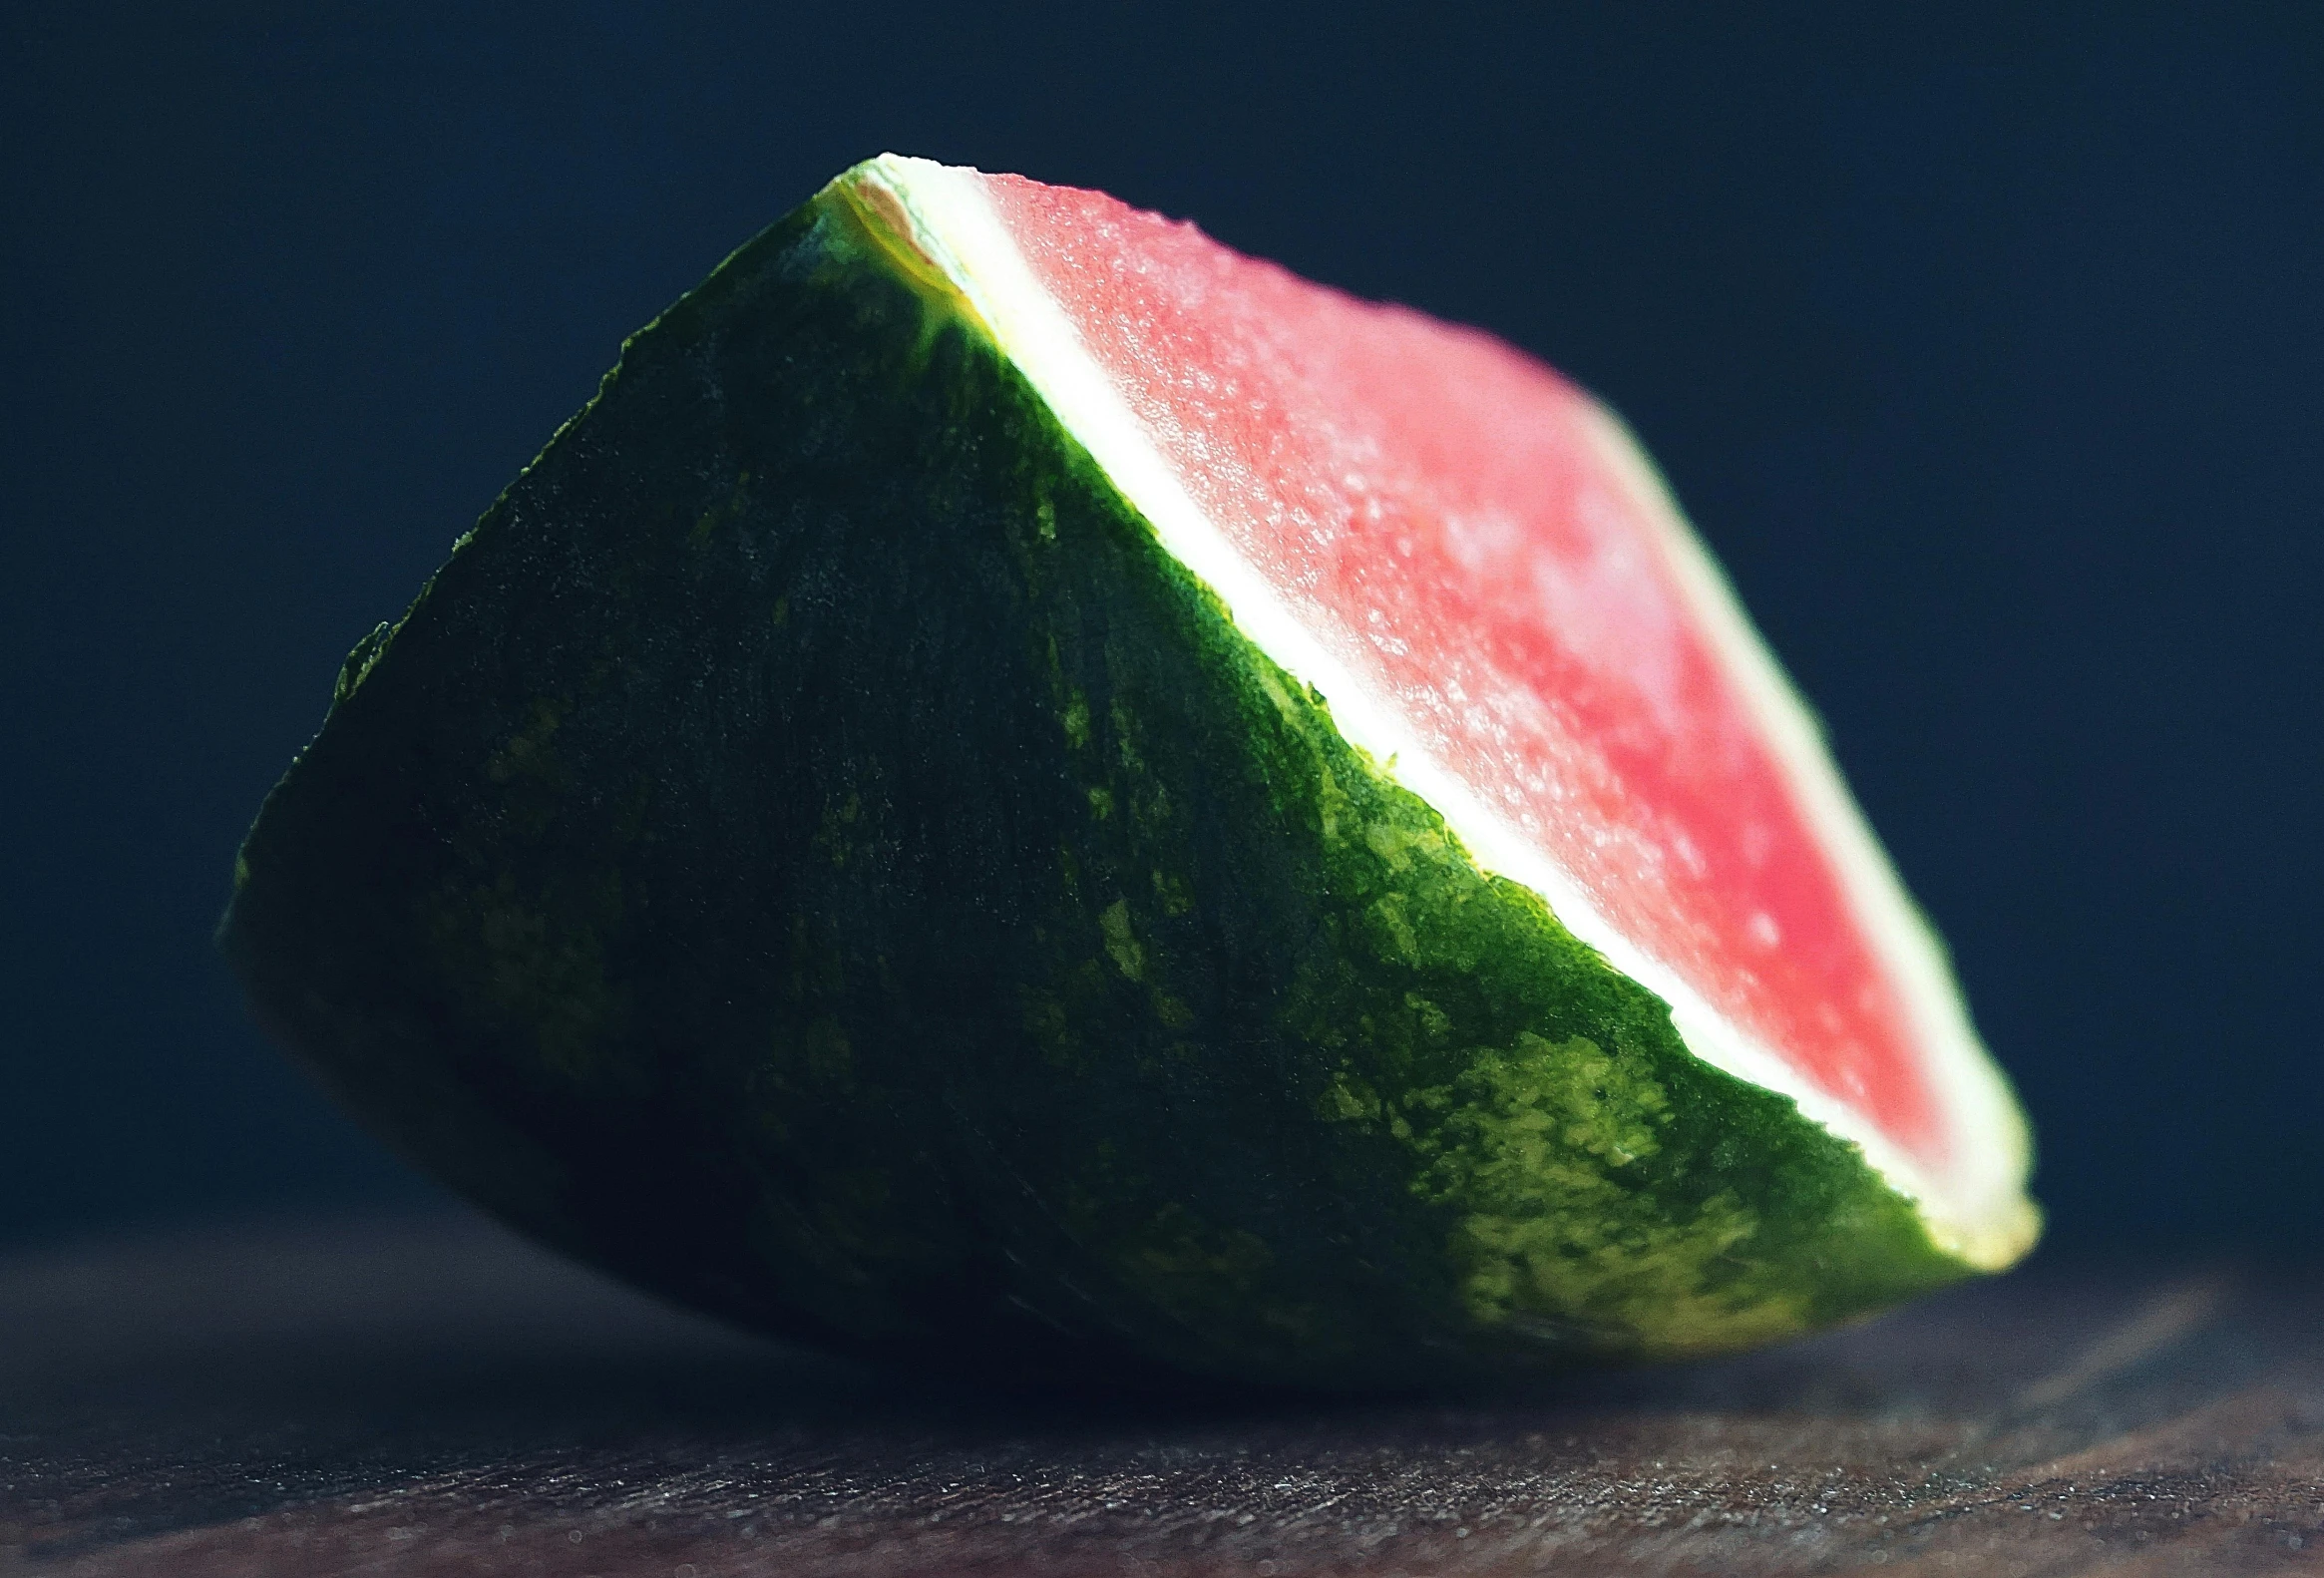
(811, 851)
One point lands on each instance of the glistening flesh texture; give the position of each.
(814, 852)
(1477, 566)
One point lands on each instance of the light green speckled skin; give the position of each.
(811, 852)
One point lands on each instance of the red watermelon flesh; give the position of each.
(1473, 563)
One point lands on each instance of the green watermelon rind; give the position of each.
(814, 852)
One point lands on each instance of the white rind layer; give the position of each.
(1975, 1207)
(1984, 1187)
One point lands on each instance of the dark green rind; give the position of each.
(812, 852)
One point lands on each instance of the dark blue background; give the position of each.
(1985, 352)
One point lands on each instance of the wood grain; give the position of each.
(435, 1397)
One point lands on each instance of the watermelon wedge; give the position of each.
(1023, 791)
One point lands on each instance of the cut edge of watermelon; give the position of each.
(1975, 1208)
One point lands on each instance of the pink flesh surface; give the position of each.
(1432, 505)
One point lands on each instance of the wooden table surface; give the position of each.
(434, 1397)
